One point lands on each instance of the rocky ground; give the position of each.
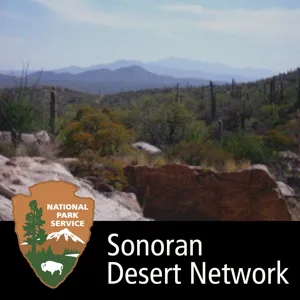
(17, 174)
(171, 192)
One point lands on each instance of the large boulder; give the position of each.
(17, 174)
(180, 192)
(288, 194)
(146, 147)
(287, 169)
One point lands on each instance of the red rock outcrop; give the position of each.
(179, 192)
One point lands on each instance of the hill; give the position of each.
(105, 81)
(259, 97)
(265, 107)
(256, 91)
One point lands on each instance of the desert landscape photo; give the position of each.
(158, 111)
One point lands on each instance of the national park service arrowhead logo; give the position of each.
(53, 227)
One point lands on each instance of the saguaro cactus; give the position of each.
(212, 101)
(281, 90)
(298, 87)
(221, 138)
(177, 93)
(272, 95)
(265, 92)
(202, 92)
(243, 114)
(52, 111)
(232, 88)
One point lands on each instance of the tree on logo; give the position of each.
(34, 233)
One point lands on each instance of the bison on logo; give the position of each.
(53, 226)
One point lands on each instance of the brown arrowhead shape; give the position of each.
(53, 226)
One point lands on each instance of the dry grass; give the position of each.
(142, 159)
(233, 166)
(134, 157)
(103, 171)
(229, 166)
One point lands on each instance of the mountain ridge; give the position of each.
(173, 66)
(181, 67)
(106, 81)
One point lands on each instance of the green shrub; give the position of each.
(196, 131)
(277, 140)
(249, 147)
(94, 130)
(200, 153)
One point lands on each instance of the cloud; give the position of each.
(187, 8)
(265, 23)
(79, 11)
(176, 19)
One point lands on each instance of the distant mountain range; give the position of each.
(132, 75)
(105, 81)
(181, 68)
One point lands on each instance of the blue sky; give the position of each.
(56, 33)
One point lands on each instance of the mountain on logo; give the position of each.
(61, 241)
(68, 235)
